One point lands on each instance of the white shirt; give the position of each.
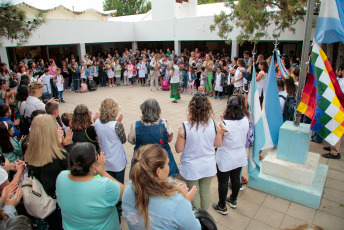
(141, 67)
(111, 145)
(261, 83)
(218, 86)
(59, 83)
(232, 153)
(198, 158)
(175, 78)
(282, 100)
(32, 104)
(45, 79)
(237, 76)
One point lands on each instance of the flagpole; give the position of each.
(304, 57)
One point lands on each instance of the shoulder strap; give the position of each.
(214, 126)
(281, 96)
(184, 130)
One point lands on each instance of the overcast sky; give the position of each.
(79, 5)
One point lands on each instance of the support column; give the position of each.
(134, 46)
(235, 49)
(81, 51)
(178, 47)
(4, 57)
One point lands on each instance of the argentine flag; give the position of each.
(259, 136)
(330, 27)
(271, 113)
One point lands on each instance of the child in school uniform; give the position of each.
(83, 68)
(58, 79)
(118, 69)
(141, 67)
(219, 80)
(125, 73)
(191, 80)
(76, 77)
(130, 69)
(95, 69)
(110, 72)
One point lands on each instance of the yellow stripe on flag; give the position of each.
(339, 131)
(302, 107)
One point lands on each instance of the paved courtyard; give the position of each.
(256, 210)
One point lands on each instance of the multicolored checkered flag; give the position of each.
(328, 120)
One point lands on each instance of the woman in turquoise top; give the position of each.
(150, 202)
(9, 147)
(87, 202)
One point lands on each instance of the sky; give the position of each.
(79, 5)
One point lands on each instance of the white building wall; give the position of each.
(57, 32)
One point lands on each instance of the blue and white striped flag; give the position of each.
(271, 113)
(330, 27)
(284, 71)
(259, 136)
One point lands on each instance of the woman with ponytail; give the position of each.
(149, 201)
(231, 155)
(88, 202)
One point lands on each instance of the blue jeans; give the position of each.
(76, 85)
(317, 138)
(103, 80)
(119, 176)
(60, 96)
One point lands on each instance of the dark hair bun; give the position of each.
(76, 169)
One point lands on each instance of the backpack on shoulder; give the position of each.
(36, 201)
(289, 108)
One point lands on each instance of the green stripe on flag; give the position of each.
(317, 72)
(324, 119)
(323, 103)
(321, 88)
(324, 132)
(314, 57)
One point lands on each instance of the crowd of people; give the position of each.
(79, 158)
(214, 74)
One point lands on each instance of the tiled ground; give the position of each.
(256, 210)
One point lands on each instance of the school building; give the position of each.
(174, 24)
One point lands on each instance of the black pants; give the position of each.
(217, 93)
(142, 80)
(223, 178)
(96, 80)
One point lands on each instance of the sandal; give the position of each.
(243, 180)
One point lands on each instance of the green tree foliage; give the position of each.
(127, 7)
(14, 25)
(200, 2)
(253, 17)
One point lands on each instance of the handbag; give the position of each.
(36, 201)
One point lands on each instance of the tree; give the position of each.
(200, 2)
(127, 7)
(253, 17)
(14, 25)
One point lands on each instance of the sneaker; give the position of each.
(131, 86)
(231, 203)
(328, 148)
(330, 156)
(220, 97)
(215, 97)
(110, 86)
(174, 101)
(219, 209)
